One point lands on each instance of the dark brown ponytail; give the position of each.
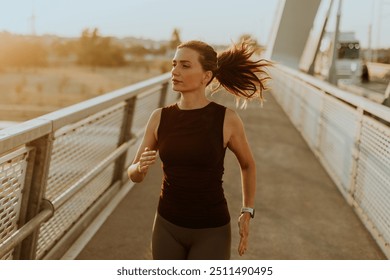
(241, 76)
(233, 68)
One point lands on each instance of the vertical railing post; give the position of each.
(43, 147)
(355, 156)
(318, 141)
(125, 136)
(25, 197)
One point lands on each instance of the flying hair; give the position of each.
(241, 76)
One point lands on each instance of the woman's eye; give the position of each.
(186, 66)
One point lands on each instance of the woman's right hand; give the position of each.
(147, 158)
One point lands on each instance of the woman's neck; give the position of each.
(192, 101)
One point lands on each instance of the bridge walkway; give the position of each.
(301, 215)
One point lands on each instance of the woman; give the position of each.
(191, 136)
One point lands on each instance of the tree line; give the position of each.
(90, 49)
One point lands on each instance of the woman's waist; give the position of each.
(189, 176)
(196, 189)
(192, 195)
(193, 214)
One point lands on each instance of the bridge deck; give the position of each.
(300, 212)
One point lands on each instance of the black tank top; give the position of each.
(192, 151)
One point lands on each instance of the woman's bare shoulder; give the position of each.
(156, 115)
(154, 119)
(231, 117)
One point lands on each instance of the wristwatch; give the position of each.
(251, 211)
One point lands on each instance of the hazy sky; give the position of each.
(215, 21)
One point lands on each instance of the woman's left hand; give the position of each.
(243, 227)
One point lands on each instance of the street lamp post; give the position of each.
(332, 75)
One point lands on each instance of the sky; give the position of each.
(214, 21)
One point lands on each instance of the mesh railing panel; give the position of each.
(69, 213)
(80, 147)
(144, 107)
(372, 190)
(304, 110)
(13, 168)
(311, 114)
(282, 86)
(294, 105)
(338, 131)
(76, 150)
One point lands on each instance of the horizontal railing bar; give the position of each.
(20, 134)
(149, 92)
(14, 154)
(367, 105)
(19, 235)
(65, 196)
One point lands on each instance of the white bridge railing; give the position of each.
(58, 171)
(351, 137)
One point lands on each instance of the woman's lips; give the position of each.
(175, 81)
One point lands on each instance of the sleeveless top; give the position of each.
(192, 152)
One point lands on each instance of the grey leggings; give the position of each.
(172, 242)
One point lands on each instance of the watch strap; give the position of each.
(249, 210)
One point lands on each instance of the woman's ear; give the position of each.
(207, 77)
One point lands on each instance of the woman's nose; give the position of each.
(174, 71)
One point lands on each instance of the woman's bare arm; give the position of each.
(146, 154)
(238, 144)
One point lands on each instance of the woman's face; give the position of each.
(187, 72)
